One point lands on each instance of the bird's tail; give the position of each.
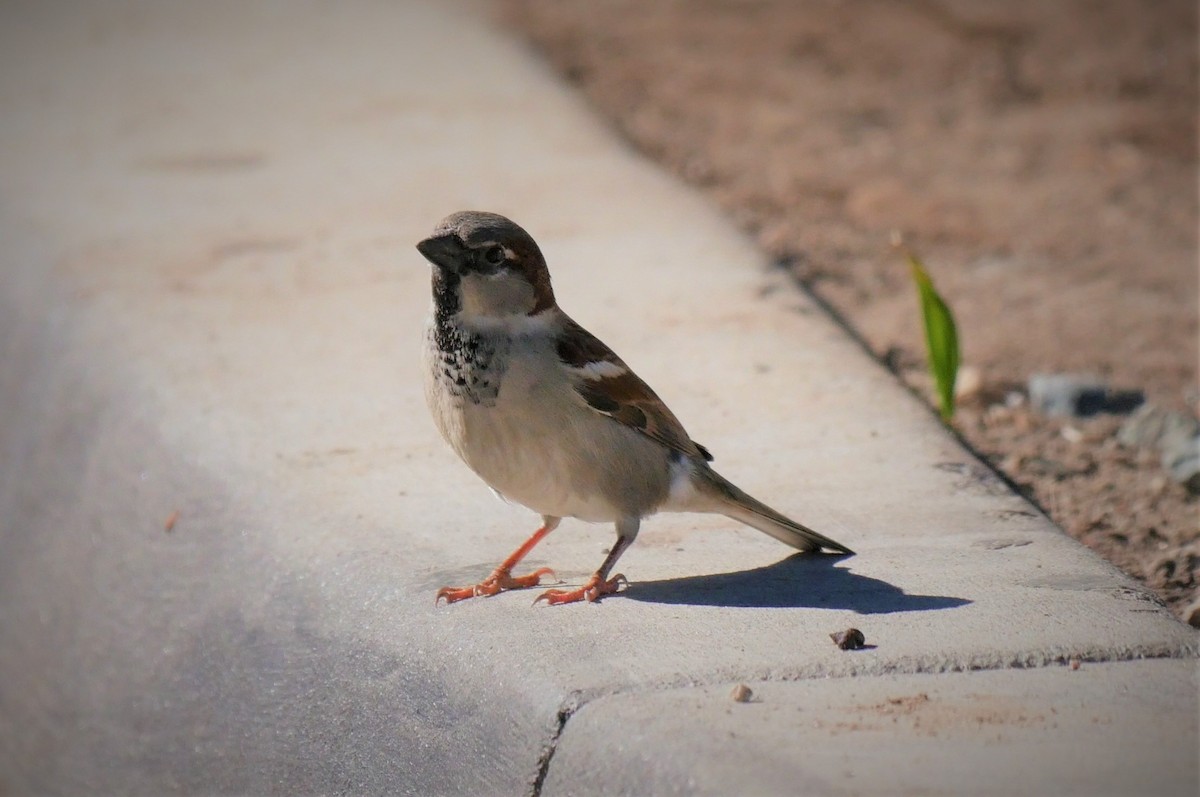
(734, 503)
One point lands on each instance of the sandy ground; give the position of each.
(1041, 157)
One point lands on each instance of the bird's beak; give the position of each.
(445, 251)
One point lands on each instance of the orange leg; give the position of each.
(599, 584)
(502, 578)
(592, 591)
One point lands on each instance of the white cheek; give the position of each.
(496, 296)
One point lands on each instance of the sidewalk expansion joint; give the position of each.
(568, 707)
(1032, 660)
(934, 665)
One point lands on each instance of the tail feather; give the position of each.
(736, 504)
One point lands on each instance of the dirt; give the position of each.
(1040, 157)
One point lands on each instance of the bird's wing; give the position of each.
(611, 388)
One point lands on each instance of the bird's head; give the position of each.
(486, 267)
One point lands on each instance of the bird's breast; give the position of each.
(514, 418)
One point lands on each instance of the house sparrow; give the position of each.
(549, 416)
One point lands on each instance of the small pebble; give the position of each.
(1144, 427)
(1191, 615)
(1071, 434)
(850, 639)
(1012, 464)
(1175, 434)
(968, 382)
(1074, 663)
(1064, 394)
(997, 413)
(1079, 395)
(741, 694)
(1181, 458)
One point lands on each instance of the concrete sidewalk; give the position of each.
(210, 311)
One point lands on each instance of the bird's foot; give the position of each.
(499, 581)
(592, 591)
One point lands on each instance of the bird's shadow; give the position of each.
(799, 581)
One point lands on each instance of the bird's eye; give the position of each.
(494, 255)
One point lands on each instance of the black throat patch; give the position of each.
(468, 365)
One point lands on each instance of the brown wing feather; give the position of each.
(621, 395)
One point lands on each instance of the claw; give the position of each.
(592, 591)
(531, 580)
(499, 581)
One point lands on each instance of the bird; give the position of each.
(550, 417)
